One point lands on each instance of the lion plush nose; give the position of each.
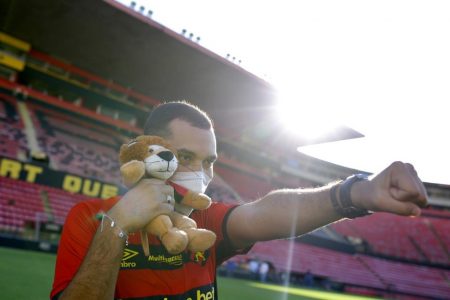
(166, 155)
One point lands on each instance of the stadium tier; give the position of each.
(71, 147)
(75, 155)
(11, 133)
(360, 270)
(423, 239)
(22, 202)
(408, 278)
(220, 189)
(55, 122)
(250, 187)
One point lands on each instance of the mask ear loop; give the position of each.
(195, 172)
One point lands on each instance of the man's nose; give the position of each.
(166, 155)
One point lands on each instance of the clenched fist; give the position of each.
(397, 189)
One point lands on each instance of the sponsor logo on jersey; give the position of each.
(159, 258)
(202, 293)
(174, 260)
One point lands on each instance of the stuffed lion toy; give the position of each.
(152, 157)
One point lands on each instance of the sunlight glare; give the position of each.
(306, 118)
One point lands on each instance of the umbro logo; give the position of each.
(127, 254)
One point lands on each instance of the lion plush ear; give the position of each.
(134, 150)
(131, 158)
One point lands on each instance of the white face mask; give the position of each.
(194, 181)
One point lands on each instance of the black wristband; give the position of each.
(334, 201)
(344, 206)
(345, 190)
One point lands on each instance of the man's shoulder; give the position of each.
(214, 216)
(222, 205)
(95, 205)
(86, 213)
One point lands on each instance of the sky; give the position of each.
(380, 67)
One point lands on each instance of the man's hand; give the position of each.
(141, 204)
(397, 189)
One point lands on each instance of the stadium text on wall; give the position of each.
(35, 173)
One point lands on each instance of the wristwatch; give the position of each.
(344, 206)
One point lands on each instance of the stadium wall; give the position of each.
(16, 243)
(41, 174)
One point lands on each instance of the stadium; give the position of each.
(78, 79)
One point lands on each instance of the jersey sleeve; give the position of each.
(78, 231)
(215, 218)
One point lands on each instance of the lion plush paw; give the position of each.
(200, 239)
(196, 200)
(175, 241)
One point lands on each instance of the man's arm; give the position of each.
(96, 278)
(289, 213)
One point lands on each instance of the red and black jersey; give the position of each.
(161, 275)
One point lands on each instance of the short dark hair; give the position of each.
(158, 121)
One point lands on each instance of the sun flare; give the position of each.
(306, 118)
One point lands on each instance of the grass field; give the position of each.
(25, 274)
(29, 275)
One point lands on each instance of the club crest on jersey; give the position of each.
(200, 257)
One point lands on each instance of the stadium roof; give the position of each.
(117, 43)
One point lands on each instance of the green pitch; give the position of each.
(230, 289)
(25, 274)
(29, 275)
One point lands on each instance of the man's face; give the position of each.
(196, 147)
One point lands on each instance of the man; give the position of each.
(263, 270)
(94, 261)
